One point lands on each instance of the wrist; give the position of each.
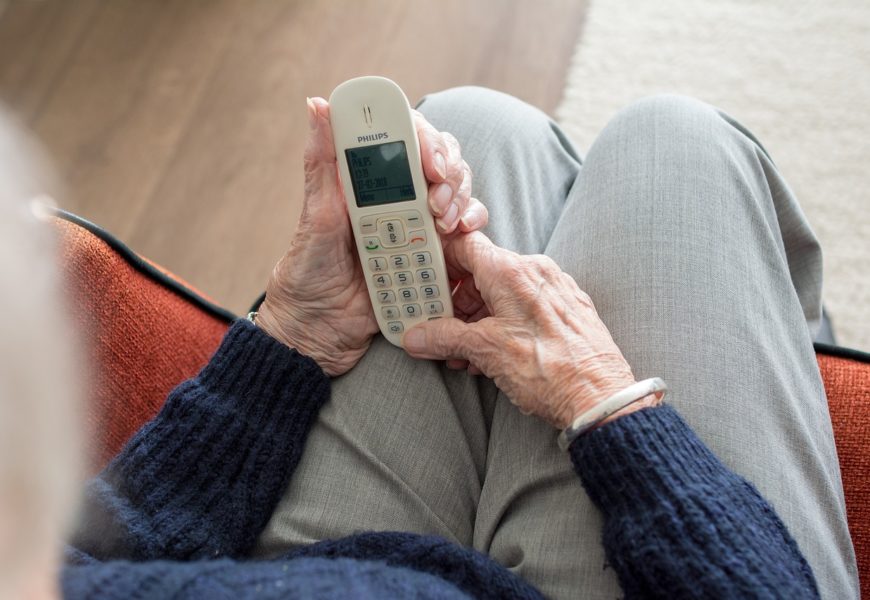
(649, 401)
(613, 407)
(586, 397)
(310, 337)
(267, 322)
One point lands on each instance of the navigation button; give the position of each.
(392, 233)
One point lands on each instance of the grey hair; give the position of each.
(40, 419)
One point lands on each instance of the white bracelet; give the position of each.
(614, 403)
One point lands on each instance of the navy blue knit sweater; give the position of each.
(177, 512)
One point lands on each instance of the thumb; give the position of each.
(321, 176)
(441, 339)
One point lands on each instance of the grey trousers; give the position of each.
(702, 265)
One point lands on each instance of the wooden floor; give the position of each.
(179, 124)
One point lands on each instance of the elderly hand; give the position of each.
(530, 329)
(316, 299)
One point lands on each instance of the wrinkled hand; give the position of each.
(530, 328)
(316, 299)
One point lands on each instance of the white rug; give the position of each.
(795, 72)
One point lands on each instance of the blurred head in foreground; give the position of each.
(40, 456)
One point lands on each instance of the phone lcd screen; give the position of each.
(380, 174)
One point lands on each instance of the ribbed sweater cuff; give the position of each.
(251, 364)
(651, 452)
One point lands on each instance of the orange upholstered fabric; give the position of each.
(847, 382)
(144, 337)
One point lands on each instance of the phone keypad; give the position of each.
(401, 270)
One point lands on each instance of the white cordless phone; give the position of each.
(382, 176)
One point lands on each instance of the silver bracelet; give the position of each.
(614, 403)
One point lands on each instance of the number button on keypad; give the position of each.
(434, 308)
(421, 259)
(378, 264)
(429, 291)
(425, 276)
(395, 327)
(387, 297)
(390, 312)
(382, 281)
(407, 294)
(400, 261)
(412, 311)
(403, 277)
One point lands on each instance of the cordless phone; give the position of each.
(386, 191)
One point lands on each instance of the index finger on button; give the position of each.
(473, 254)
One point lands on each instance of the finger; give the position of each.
(476, 216)
(474, 370)
(459, 202)
(474, 255)
(321, 177)
(319, 146)
(433, 149)
(442, 339)
(466, 300)
(457, 364)
(482, 313)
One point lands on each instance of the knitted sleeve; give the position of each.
(677, 522)
(202, 478)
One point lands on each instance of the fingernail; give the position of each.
(312, 113)
(470, 219)
(449, 218)
(440, 165)
(441, 198)
(415, 340)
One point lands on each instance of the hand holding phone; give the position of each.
(317, 300)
